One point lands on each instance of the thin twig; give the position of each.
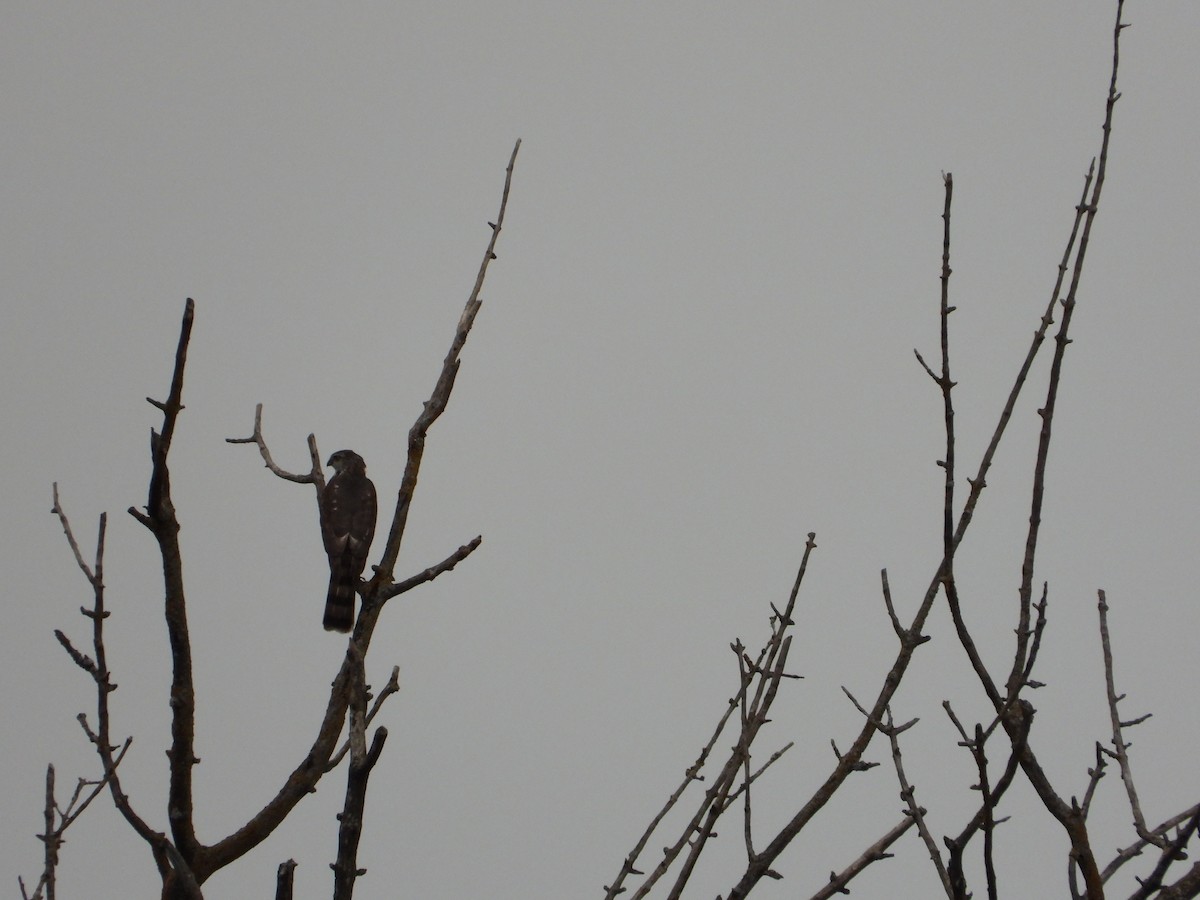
(1120, 749)
(315, 475)
(768, 669)
(1135, 849)
(874, 853)
(446, 565)
(436, 404)
(1172, 851)
(908, 794)
(392, 687)
(97, 669)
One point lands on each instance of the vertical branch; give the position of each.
(979, 751)
(52, 838)
(285, 877)
(1025, 593)
(743, 750)
(908, 793)
(1120, 748)
(160, 519)
(946, 384)
(362, 761)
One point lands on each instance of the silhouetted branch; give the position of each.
(908, 793)
(1135, 849)
(437, 401)
(97, 669)
(874, 853)
(983, 819)
(753, 701)
(446, 565)
(392, 687)
(160, 519)
(284, 878)
(315, 475)
(1120, 751)
(1172, 851)
(58, 819)
(362, 761)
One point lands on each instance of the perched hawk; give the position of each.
(347, 526)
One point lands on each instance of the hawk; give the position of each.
(347, 526)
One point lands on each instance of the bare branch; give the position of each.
(1120, 748)
(1186, 887)
(161, 520)
(97, 668)
(437, 401)
(446, 565)
(315, 475)
(92, 575)
(284, 877)
(917, 813)
(692, 774)
(1135, 849)
(946, 384)
(759, 771)
(1094, 775)
(362, 761)
(392, 687)
(874, 853)
(1172, 851)
(754, 702)
(58, 820)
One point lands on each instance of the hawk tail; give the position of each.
(339, 603)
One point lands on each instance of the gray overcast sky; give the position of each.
(696, 346)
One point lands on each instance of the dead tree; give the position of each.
(1001, 749)
(183, 860)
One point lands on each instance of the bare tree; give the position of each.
(1002, 747)
(183, 860)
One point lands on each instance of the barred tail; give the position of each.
(339, 602)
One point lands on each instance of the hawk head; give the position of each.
(347, 461)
